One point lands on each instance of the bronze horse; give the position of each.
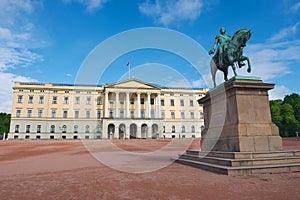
(233, 54)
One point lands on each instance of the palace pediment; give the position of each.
(133, 84)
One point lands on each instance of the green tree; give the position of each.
(4, 123)
(294, 101)
(289, 125)
(284, 115)
(275, 106)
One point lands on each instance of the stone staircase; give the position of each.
(234, 163)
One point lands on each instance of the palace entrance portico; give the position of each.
(131, 109)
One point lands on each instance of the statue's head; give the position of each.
(222, 30)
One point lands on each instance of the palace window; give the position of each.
(54, 100)
(111, 100)
(183, 129)
(192, 115)
(38, 128)
(66, 100)
(163, 115)
(121, 113)
(173, 114)
(65, 114)
(162, 102)
(75, 128)
(193, 129)
(77, 100)
(152, 101)
(173, 129)
(172, 102)
(152, 113)
(40, 113)
(87, 129)
(30, 99)
(41, 99)
(181, 102)
(201, 115)
(191, 103)
(64, 129)
(131, 100)
(53, 113)
(76, 114)
(122, 100)
(52, 129)
(99, 129)
(87, 114)
(20, 98)
(17, 128)
(99, 101)
(111, 113)
(88, 101)
(27, 128)
(182, 115)
(18, 113)
(132, 114)
(29, 113)
(142, 100)
(98, 114)
(142, 114)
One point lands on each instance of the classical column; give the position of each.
(138, 105)
(127, 105)
(117, 105)
(106, 105)
(148, 108)
(158, 114)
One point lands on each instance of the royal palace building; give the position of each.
(130, 109)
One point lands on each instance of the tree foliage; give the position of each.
(4, 123)
(286, 114)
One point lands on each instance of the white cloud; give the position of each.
(180, 83)
(170, 11)
(91, 5)
(272, 60)
(279, 92)
(6, 93)
(17, 44)
(296, 7)
(285, 32)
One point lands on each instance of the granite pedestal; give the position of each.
(239, 135)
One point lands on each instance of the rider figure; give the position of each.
(223, 41)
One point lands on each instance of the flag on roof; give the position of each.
(128, 63)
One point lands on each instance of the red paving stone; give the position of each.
(66, 170)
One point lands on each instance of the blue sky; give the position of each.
(49, 40)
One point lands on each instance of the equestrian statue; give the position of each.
(229, 52)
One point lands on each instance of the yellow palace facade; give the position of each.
(130, 109)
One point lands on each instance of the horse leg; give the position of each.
(248, 62)
(225, 74)
(213, 70)
(233, 68)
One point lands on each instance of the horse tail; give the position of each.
(213, 70)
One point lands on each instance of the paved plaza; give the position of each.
(61, 169)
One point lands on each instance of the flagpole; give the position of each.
(128, 65)
(129, 71)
